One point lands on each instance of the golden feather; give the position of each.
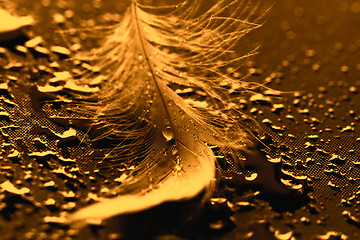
(153, 51)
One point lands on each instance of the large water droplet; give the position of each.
(168, 133)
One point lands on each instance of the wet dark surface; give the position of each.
(299, 180)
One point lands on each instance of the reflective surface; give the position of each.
(299, 180)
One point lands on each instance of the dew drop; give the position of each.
(174, 151)
(168, 133)
(275, 160)
(217, 225)
(344, 69)
(283, 236)
(333, 186)
(351, 218)
(331, 235)
(252, 177)
(178, 168)
(50, 202)
(60, 50)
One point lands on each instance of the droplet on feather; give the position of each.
(168, 133)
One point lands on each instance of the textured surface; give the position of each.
(302, 185)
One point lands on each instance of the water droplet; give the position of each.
(277, 108)
(313, 137)
(178, 168)
(331, 235)
(168, 133)
(283, 236)
(259, 98)
(337, 159)
(174, 151)
(275, 160)
(305, 220)
(333, 186)
(50, 202)
(60, 50)
(351, 218)
(217, 225)
(310, 53)
(344, 69)
(49, 184)
(252, 177)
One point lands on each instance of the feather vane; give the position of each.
(149, 55)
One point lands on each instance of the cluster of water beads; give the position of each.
(318, 144)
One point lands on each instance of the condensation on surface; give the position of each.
(298, 181)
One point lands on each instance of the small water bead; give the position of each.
(316, 67)
(168, 133)
(21, 49)
(338, 46)
(174, 151)
(252, 177)
(283, 236)
(310, 53)
(170, 103)
(50, 202)
(178, 168)
(331, 235)
(60, 50)
(353, 89)
(275, 160)
(355, 7)
(344, 69)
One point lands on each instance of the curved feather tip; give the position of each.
(181, 184)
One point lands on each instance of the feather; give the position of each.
(164, 140)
